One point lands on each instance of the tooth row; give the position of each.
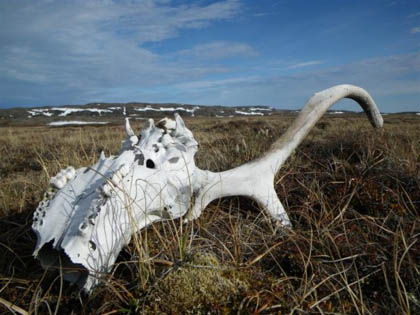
(49, 194)
(40, 213)
(107, 189)
(61, 179)
(115, 180)
(90, 220)
(124, 170)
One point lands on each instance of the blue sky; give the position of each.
(225, 52)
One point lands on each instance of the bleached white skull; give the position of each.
(89, 214)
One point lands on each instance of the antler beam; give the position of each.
(256, 179)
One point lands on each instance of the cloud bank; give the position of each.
(74, 52)
(389, 80)
(81, 50)
(415, 30)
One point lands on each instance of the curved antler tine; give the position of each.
(130, 139)
(150, 123)
(314, 109)
(146, 131)
(181, 129)
(128, 129)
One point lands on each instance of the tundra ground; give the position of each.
(353, 195)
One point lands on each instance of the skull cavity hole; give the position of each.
(174, 160)
(92, 245)
(150, 163)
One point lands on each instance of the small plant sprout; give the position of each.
(92, 212)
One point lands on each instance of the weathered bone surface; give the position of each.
(89, 214)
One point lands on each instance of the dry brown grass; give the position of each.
(353, 195)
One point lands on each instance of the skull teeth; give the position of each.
(106, 190)
(115, 178)
(58, 181)
(70, 172)
(124, 170)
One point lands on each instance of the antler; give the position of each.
(256, 179)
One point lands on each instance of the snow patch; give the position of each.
(167, 109)
(67, 110)
(261, 109)
(248, 113)
(39, 111)
(75, 122)
(147, 108)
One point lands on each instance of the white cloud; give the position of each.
(79, 50)
(414, 15)
(389, 80)
(217, 83)
(305, 64)
(218, 50)
(415, 30)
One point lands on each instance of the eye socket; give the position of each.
(150, 164)
(92, 245)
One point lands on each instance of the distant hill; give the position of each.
(104, 113)
(114, 112)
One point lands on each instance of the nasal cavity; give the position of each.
(139, 158)
(150, 164)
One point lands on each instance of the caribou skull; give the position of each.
(89, 214)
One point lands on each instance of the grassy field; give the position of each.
(353, 195)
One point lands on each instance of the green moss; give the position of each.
(199, 286)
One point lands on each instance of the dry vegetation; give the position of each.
(353, 195)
